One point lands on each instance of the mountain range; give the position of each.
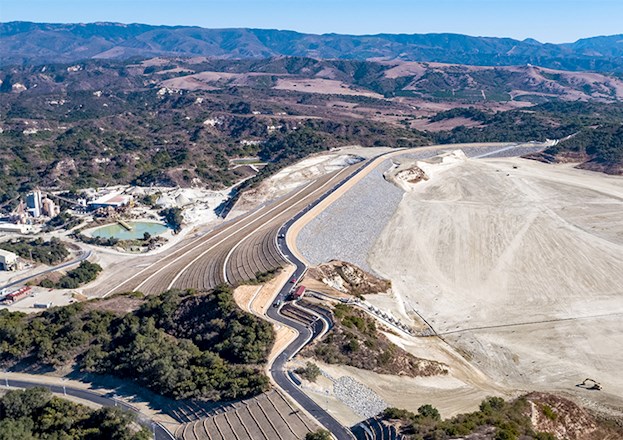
(39, 43)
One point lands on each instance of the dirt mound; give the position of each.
(347, 278)
(564, 419)
(412, 175)
(119, 304)
(405, 175)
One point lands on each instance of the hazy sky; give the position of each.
(546, 20)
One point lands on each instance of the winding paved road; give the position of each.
(234, 253)
(159, 432)
(305, 333)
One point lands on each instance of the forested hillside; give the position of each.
(35, 414)
(180, 344)
(184, 121)
(36, 43)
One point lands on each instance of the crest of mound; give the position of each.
(407, 173)
(342, 278)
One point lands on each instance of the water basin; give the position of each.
(117, 231)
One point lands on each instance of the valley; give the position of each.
(246, 233)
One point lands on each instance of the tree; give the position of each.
(23, 403)
(173, 217)
(429, 411)
(492, 404)
(310, 372)
(320, 434)
(16, 429)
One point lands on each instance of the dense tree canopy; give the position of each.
(180, 344)
(35, 414)
(46, 252)
(84, 273)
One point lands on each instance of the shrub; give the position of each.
(173, 217)
(549, 412)
(310, 372)
(320, 434)
(35, 414)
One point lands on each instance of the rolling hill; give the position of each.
(38, 43)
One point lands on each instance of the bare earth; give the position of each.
(323, 86)
(519, 268)
(257, 299)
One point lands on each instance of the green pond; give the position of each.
(138, 230)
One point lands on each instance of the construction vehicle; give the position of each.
(298, 293)
(587, 384)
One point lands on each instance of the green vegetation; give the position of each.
(603, 145)
(461, 112)
(549, 412)
(510, 421)
(98, 241)
(46, 252)
(84, 273)
(355, 341)
(596, 134)
(35, 414)
(320, 434)
(264, 277)
(131, 134)
(310, 372)
(63, 220)
(173, 218)
(180, 344)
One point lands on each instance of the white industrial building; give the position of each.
(8, 260)
(15, 228)
(114, 200)
(34, 204)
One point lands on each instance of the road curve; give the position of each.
(306, 333)
(159, 431)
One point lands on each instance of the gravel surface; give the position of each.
(358, 397)
(349, 227)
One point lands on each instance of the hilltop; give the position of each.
(183, 121)
(37, 43)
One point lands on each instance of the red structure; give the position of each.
(299, 292)
(17, 295)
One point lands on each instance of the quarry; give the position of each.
(514, 264)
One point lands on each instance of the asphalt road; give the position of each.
(306, 333)
(159, 432)
(81, 257)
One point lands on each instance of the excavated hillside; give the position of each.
(538, 416)
(340, 277)
(355, 340)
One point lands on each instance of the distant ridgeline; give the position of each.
(37, 43)
(184, 121)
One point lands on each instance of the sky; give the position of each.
(553, 21)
